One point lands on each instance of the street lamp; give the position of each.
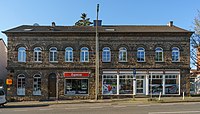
(97, 58)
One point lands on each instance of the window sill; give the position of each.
(53, 61)
(123, 61)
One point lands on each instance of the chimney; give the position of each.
(98, 22)
(170, 24)
(53, 24)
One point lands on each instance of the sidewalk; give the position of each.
(127, 100)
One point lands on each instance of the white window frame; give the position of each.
(69, 51)
(84, 51)
(38, 54)
(54, 52)
(21, 54)
(159, 50)
(122, 50)
(37, 91)
(139, 51)
(21, 89)
(106, 54)
(175, 50)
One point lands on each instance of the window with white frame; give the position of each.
(122, 54)
(22, 54)
(69, 54)
(171, 84)
(175, 54)
(21, 84)
(125, 84)
(141, 54)
(84, 56)
(37, 54)
(159, 54)
(106, 54)
(53, 54)
(37, 85)
(156, 86)
(109, 84)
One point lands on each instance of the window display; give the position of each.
(76, 86)
(109, 84)
(171, 84)
(157, 84)
(126, 84)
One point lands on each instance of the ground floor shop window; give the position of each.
(156, 84)
(126, 84)
(76, 86)
(109, 86)
(168, 83)
(171, 84)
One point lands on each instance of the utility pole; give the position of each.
(97, 58)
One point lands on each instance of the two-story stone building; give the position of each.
(134, 60)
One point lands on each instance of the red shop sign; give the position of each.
(76, 74)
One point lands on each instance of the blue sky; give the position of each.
(112, 12)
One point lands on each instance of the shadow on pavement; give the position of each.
(24, 106)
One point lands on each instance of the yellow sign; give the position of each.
(9, 81)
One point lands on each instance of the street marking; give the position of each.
(119, 106)
(71, 108)
(46, 109)
(96, 107)
(144, 105)
(178, 112)
(20, 110)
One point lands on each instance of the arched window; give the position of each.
(122, 54)
(175, 54)
(37, 85)
(53, 54)
(159, 54)
(84, 54)
(106, 54)
(37, 54)
(140, 54)
(21, 84)
(22, 54)
(69, 54)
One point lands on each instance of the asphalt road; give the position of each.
(107, 108)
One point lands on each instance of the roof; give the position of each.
(105, 28)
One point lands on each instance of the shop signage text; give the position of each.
(76, 74)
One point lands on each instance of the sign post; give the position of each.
(134, 83)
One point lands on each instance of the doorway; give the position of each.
(52, 85)
(140, 85)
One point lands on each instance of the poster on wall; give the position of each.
(109, 89)
(171, 89)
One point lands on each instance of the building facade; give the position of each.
(48, 62)
(3, 62)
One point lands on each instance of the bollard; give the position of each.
(159, 96)
(183, 95)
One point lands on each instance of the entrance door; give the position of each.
(52, 85)
(140, 86)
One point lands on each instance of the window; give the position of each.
(157, 84)
(122, 54)
(106, 54)
(84, 54)
(171, 84)
(175, 54)
(126, 84)
(159, 54)
(21, 85)
(76, 86)
(69, 54)
(140, 54)
(53, 54)
(37, 85)
(22, 54)
(109, 84)
(37, 54)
